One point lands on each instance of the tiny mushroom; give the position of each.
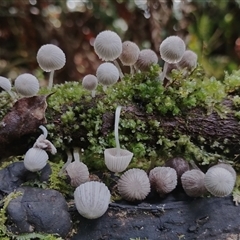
(129, 55)
(188, 61)
(90, 83)
(146, 58)
(92, 199)
(117, 159)
(134, 185)
(193, 183)
(107, 74)
(171, 50)
(5, 84)
(163, 180)
(108, 47)
(50, 58)
(219, 181)
(26, 84)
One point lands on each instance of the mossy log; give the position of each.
(196, 118)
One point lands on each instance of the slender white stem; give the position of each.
(93, 93)
(116, 126)
(131, 69)
(69, 160)
(13, 96)
(76, 154)
(44, 130)
(50, 82)
(163, 74)
(119, 69)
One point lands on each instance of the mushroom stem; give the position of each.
(93, 93)
(50, 82)
(132, 69)
(45, 131)
(76, 154)
(164, 71)
(116, 126)
(119, 68)
(69, 160)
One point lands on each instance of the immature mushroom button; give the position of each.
(188, 61)
(146, 58)
(90, 83)
(5, 84)
(130, 53)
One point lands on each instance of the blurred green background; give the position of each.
(209, 27)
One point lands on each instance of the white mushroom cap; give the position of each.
(134, 185)
(117, 163)
(108, 45)
(172, 49)
(26, 84)
(163, 179)
(35, 159)
(227, 167)
(90, 82)
(219, 181)
(193, 183)
(50, 57)
(5, 84)
(92, 199)
(107, 74)
(188, 61)
(146, 58)
(130, 53)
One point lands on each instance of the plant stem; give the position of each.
(44, 130)
(50, 82)
(163, 74)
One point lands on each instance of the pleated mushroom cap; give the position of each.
(90, 82)
(219, 181)
(92, 199)
(172, 49)
(26, 84)
(50, 57)
(134, 185)
(130, 53)
(227, 167)
(35, 159)
(188, 61)
(146, 58)
(5, 84)
(78, 173)
(117, 163)
(193, 183)
(108, 45)
(163, 179)
(107, 74)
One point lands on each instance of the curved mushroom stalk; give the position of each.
(117, 159)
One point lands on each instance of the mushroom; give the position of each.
(146, 58)
(77, 170)
(5, 84)
(188, 61)
(117, 159)
(26, 84)
(129, 55)
(92, 199)
(163, 179)
(108, 47)
(179, 164)
(134, 185)
(171, 50)
(107, 74)
(193, 183)
(227, 167)
(90, 83)
(50, 58)
(219, 181)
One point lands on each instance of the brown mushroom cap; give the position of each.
(90, 82)
(130, 53)
(146, 58)
(134, 185)
(188, 61)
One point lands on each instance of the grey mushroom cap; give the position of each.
(134, 185)
(188, 61)
(219, 181)
(146, 58)
(50, 57)
(90, 82)
(108, 45)
(172, 49)
(193, 183)
(227, 167)
(130, 53)
(107, 74)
